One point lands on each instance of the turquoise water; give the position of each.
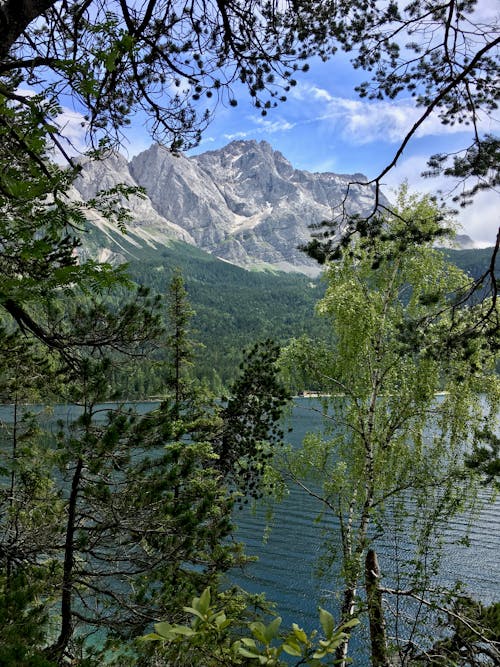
(287, 559)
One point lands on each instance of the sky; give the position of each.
(325, 126)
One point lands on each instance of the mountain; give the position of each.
(461, 242)
(244, 203)
(227, 191)
(235, 307)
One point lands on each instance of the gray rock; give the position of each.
(244, 203)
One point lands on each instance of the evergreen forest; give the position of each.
(234, 307)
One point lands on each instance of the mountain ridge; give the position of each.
(244, 203)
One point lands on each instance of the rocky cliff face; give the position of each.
(244, 203)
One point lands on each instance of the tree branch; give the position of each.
(15, 16)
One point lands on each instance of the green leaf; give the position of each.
(152, 637)
(259, 631)
(299, 633)
(292, 647)
(110, 61)
(247, 653)
(195, 612)
(183, 630)
(319, 654)
(272, 630)
(327, 622)
(221, 620)
(204, 601)
(248, 642)
(163, 629)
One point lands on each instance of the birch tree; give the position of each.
(392, 450)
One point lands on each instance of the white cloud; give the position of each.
(479, 220)
(270, 127)
(486, 12)
(261, 126)
(73, 127)
(25, 92)
(237, 135)
(365, 121)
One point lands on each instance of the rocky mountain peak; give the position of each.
(245, 202)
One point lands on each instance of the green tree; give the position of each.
(142, 514)
(485, 456)
(145, 519)
(389, 441)
(474, 629)
(39, 239)
(28, 507)
(23, 623)
(178, 342)
(251, 430)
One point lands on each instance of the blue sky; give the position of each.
(325, 126)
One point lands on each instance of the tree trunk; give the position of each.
(346, 614)
(58, 649)
(375, 611)
(12, 529)
(15, 16)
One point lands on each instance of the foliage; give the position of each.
(117, 58)
(251, 431)
(474, 628)
(485, 457)
(115, 526)
(39, 229)
(23, 622)
(167, 513)
(390, 444)
(234, 307)
(178, 342)
(148, 523)
(113, 59)
(444, 57)
(221, 639)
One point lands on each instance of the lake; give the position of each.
(287, 559)
(289, 555)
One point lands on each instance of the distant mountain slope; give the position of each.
(244, 203)
(473, 261)
(235, 307)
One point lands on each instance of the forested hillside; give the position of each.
(234, 307)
